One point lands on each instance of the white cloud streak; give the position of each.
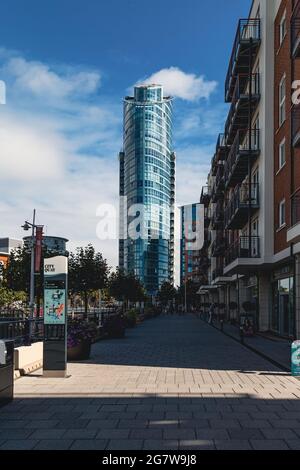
(179, 84)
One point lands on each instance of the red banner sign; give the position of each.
(38, 249)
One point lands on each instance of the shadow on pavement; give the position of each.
(150, 422)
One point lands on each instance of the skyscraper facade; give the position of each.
(147, 188)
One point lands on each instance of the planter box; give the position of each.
(80, 352)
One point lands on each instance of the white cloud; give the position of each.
(28, 153)
(192, 167)
(41, 80)
(59, 143)
(179, 84)
(58, 150)
(201, 121)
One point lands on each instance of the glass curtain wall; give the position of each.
(148, 181)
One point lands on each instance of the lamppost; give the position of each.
(27, 225)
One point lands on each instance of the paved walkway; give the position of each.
(275, 348)
(172, 383)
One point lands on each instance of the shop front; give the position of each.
(283, 304)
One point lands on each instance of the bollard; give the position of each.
(222, 325)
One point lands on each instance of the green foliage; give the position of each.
(127, 287)
(88, 271)
(16, 275)
(166, 293)
(191, 293)
(8, 297)
(131, 317)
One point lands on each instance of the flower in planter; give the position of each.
(80, 331)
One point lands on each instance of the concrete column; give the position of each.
(297, 296)
(264, 301)
(243, 295)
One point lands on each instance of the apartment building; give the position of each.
(190, 259)
(255, 175)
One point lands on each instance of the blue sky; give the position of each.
(67, 64)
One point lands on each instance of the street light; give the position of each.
(27, 225)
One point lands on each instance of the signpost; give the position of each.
(55, 316)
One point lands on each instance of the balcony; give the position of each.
(295, 33)
(246, 97)
(244, 151)
(207, 217)
(218, 247)
(205, 195)
(243, 248)
(246, 45)
(218, 272)
(221, 147)
(219, 186)
(241, 205)
(217, 220)
(294, 232)
(204, 263)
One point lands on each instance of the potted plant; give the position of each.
(131, 318)
(114, 326)
(80, 337)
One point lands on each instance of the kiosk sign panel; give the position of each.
(296, 359)
(55, 303)
(55, 316)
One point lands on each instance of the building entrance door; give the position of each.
(283, 307)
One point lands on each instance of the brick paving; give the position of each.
(272, 347)
(172, 383)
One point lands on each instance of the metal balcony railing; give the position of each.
(221, 142)
(243, 146)
(218, 216)
(248, 32)
(220, 176)
(205, 195)
(221, 146)
(247, 88)
(218, 272)
(207, 216)
(218, 247)
(295, 207)
(244, 196)
(204, 262)
(244, 247)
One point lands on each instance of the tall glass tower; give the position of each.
(147, 184)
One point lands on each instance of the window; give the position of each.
(282, 155)
(282, 213)
(282, 29)
(282, 100)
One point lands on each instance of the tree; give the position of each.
(16, 275)
(9, 297)
(166, 293)
(88, 272)
(191, 290)
(126, 287)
